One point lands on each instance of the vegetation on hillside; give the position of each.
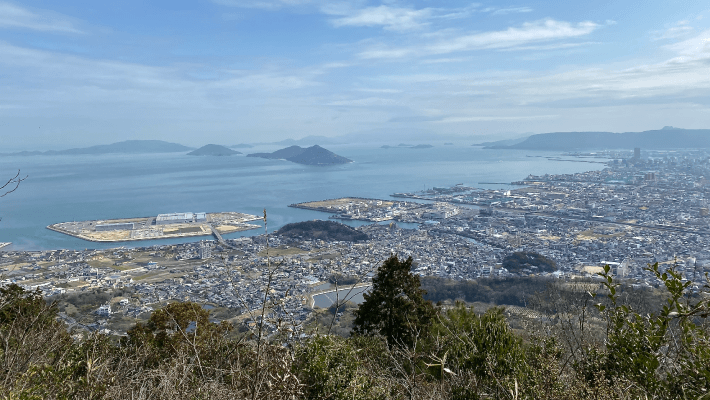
(586, 340)
(323, 230)
(520, 260)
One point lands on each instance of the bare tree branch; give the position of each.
(12, 184)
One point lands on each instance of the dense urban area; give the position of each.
(640, 209)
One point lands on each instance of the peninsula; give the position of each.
(314, 155)
(163, 226)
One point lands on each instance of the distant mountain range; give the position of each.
(666, 138)
(314, 155)
(213, 150)
(126, 147)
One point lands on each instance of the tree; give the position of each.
(395, 308)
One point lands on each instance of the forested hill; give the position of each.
(323, 230)
(666, 138)
(314, 155)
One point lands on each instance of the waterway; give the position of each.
(96, 187)
(325, 300)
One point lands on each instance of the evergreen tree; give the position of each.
(395, 307)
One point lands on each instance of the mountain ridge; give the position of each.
(125, 147)
(666, 138)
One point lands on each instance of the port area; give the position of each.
(363, 209)
(163, 226)
(4, 244)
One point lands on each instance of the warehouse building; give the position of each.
(180, 218)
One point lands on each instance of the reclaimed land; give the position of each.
(145, 228)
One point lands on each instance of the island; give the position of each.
(213, 150)
(322, 230)
(125, 147)
(163, 226)
(314, 155)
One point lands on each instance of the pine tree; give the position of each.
(395, 307)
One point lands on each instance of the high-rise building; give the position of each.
(637, 152)
(205, 250)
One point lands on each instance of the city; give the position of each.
(636, 212)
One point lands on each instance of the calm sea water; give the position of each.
(66, 188)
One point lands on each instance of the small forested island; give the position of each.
(125, 147)
(520, 260)
(323, 230)
(213, 150)
(314, 155)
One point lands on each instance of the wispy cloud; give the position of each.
(509, 10)
(13, 16)
(511, 38)
(393, 18)
(680, 29)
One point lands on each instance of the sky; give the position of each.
(84, 72)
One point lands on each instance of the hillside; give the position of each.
(323, 230)
(125, 147)
(282, 154)
(213, 150)
(314, 155)
(666, 138)
(518, 261)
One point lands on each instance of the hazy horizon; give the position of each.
(80, 73)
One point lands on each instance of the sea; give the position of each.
(61, 188)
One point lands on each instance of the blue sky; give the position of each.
(231, 71)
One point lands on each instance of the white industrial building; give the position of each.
(180, 218)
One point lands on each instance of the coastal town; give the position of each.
(635, 212)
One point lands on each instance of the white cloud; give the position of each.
(511, 10)
(697, 46)
(511, 38)
(12, 16)
(681, 29)
(392, 18)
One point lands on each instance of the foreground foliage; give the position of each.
(605, 349)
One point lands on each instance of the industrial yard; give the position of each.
(163, 226)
